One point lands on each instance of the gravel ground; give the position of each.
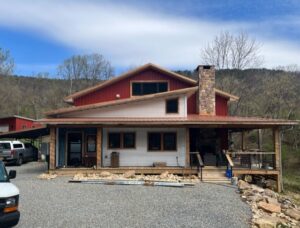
(56, 203)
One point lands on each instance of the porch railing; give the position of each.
(200, 163)
(251, 159)
(230, 164)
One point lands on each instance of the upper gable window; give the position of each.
(145, 88)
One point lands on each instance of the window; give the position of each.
(17, 146)
(129, 140)
(166, 141)
(169, 140)
(145, 88)
(5, 146)
(172, 105)
(114, 140)
(154, 141)
(91, 144)
(121, 140)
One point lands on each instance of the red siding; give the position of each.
(192, 104)
(24, 124)
(221, 106)
(11, 122)
(16, 124)
(123, 89)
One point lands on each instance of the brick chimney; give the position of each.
(206, 100)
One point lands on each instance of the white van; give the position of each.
(9, 198)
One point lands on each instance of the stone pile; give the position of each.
(165, 176)
(47, 176)
(270, 209)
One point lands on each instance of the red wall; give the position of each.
(123, 88)
(24, 124)
(11, 122)
(16, 124)
(221, 106)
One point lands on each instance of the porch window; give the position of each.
(114, 140)
(154, 141)
(91, 143)
(145, 88)
(129, 140)
(169, 141)
(172, 105)
(121, 140)
(162, 141)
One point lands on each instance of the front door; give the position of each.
(74, 149)
(208, 142)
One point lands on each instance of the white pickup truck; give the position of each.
(9, 198)
(17, 152)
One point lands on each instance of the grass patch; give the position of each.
(291, 173)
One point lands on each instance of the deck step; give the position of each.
(214, 175)
(217, 181)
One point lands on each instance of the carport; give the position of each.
(32, 133)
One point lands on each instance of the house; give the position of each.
(17, 123)
(157, 120)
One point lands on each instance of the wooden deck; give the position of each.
(159, 170)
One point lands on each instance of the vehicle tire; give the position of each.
(20, 161)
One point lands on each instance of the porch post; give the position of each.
(278, 162)
(52, 148)
(243, 140)
(187, 147)
(99, 148)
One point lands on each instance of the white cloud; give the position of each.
(130, 36)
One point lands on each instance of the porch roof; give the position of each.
(30, 133)
(217, 121)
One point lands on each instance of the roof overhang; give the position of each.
(32, 133)
(16, 116)
(196, 120)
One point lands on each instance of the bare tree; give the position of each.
(6, 62)
(87, 69)
(228, 51)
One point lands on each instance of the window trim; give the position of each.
(178, 105)
(147, 81)
(121, 140)
(162, 141)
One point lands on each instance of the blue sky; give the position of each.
(41, 34)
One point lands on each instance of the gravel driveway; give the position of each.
(56, 203)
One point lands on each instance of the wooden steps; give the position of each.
(214, 175)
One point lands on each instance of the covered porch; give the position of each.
(190, 157)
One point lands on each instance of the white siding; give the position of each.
(150, 108)
(140, 156)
